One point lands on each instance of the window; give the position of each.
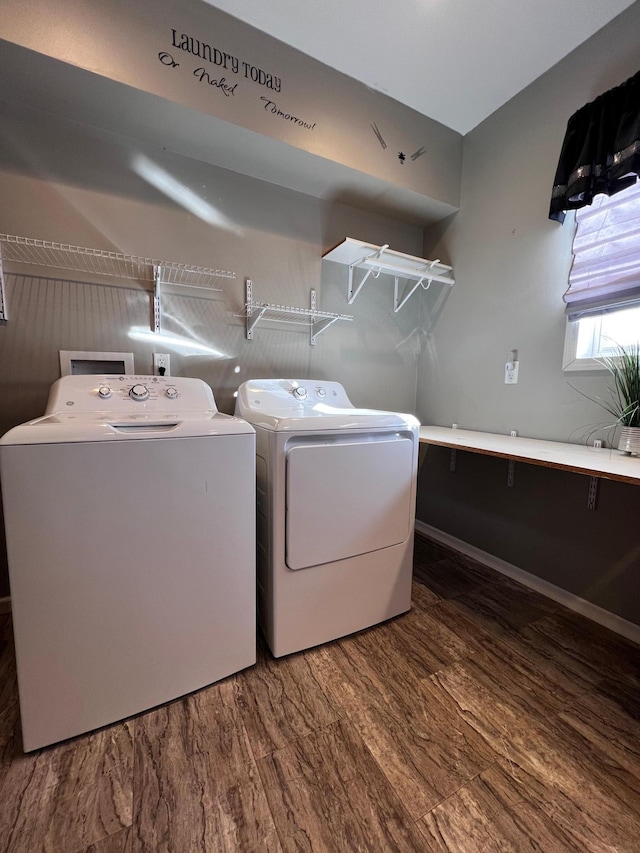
(603, 298)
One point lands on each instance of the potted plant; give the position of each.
(624, 397)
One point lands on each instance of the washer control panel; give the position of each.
(293, 395)
(125, 395)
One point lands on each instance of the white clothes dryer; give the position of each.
(336, 489)
(130, 517)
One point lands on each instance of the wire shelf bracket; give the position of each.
(27, 250)
(317, 321)
(3, 298)
(157, 299)
(377, 260)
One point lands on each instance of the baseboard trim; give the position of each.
(615, 623)
(5, 604)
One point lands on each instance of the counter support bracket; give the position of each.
(592, 499)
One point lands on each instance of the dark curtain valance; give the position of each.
(601, 148)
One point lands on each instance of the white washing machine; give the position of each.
(130, 517)
(336, 490)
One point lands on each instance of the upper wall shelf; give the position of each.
(375, 260)
(26, 250)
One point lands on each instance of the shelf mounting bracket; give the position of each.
(397, 305)
(253, 315)
(3, 298)
(318, 326)
(157, 299)
(411, 290)
(370, 260)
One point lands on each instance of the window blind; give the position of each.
(605, 274)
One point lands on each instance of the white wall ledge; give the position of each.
(606, 463)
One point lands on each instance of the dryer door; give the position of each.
(348, 497)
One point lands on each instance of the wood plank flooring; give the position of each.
(486, 719)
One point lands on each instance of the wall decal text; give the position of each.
(225, 87)
(272, 107)
(224, 60)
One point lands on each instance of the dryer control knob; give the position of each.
(300, 392)
(139, 393)
(171, 392)
(104, 392)
(321, 392)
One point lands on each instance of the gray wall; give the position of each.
(65, 182)
(511, 265)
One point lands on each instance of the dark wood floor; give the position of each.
(486, 719)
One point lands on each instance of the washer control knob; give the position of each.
(321, 392)
(171, 392)
(104, 392)
(300, 392)
(140, 393)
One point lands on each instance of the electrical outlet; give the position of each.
(511, 372)
(160, 360)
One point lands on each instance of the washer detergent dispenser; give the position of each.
(336, 490)
(130, 518)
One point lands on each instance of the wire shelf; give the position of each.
(299, 316)
(26, 250)
(317, 321)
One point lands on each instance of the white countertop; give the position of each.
(597, 462)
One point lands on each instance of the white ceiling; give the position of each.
(456, 61)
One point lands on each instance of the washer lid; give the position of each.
(65, 429)
(297, 405)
